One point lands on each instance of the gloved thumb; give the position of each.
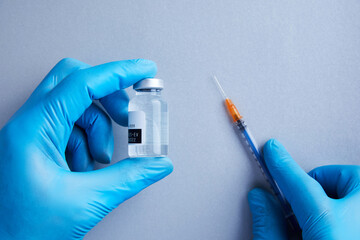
(268, 220)
(108, 187)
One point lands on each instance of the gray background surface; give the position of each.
(292, 68)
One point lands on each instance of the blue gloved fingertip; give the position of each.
(254, 194)
(148, 63)
(272, 146)
(158, 163)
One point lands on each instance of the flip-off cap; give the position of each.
(149, 83)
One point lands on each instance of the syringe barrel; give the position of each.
(250, 143)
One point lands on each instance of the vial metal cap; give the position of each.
(149, 83)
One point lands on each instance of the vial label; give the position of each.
(136, 126)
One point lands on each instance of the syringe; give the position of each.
(254, 150)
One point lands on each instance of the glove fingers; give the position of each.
(302, 191)
(72, 96)
(112, 185)
(98, 128)
(116, 105)
(61, 70)
(268, 219)
(77, 152)
(337, 181)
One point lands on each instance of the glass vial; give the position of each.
(148, 120)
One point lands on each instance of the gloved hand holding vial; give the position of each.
(48, 148)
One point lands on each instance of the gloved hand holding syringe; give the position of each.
(254, 150)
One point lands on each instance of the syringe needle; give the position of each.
(219, 87)
(233, 112)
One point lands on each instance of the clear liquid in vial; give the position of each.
(148, 112)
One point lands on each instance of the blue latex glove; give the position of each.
(60, 129)
(326, 201)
